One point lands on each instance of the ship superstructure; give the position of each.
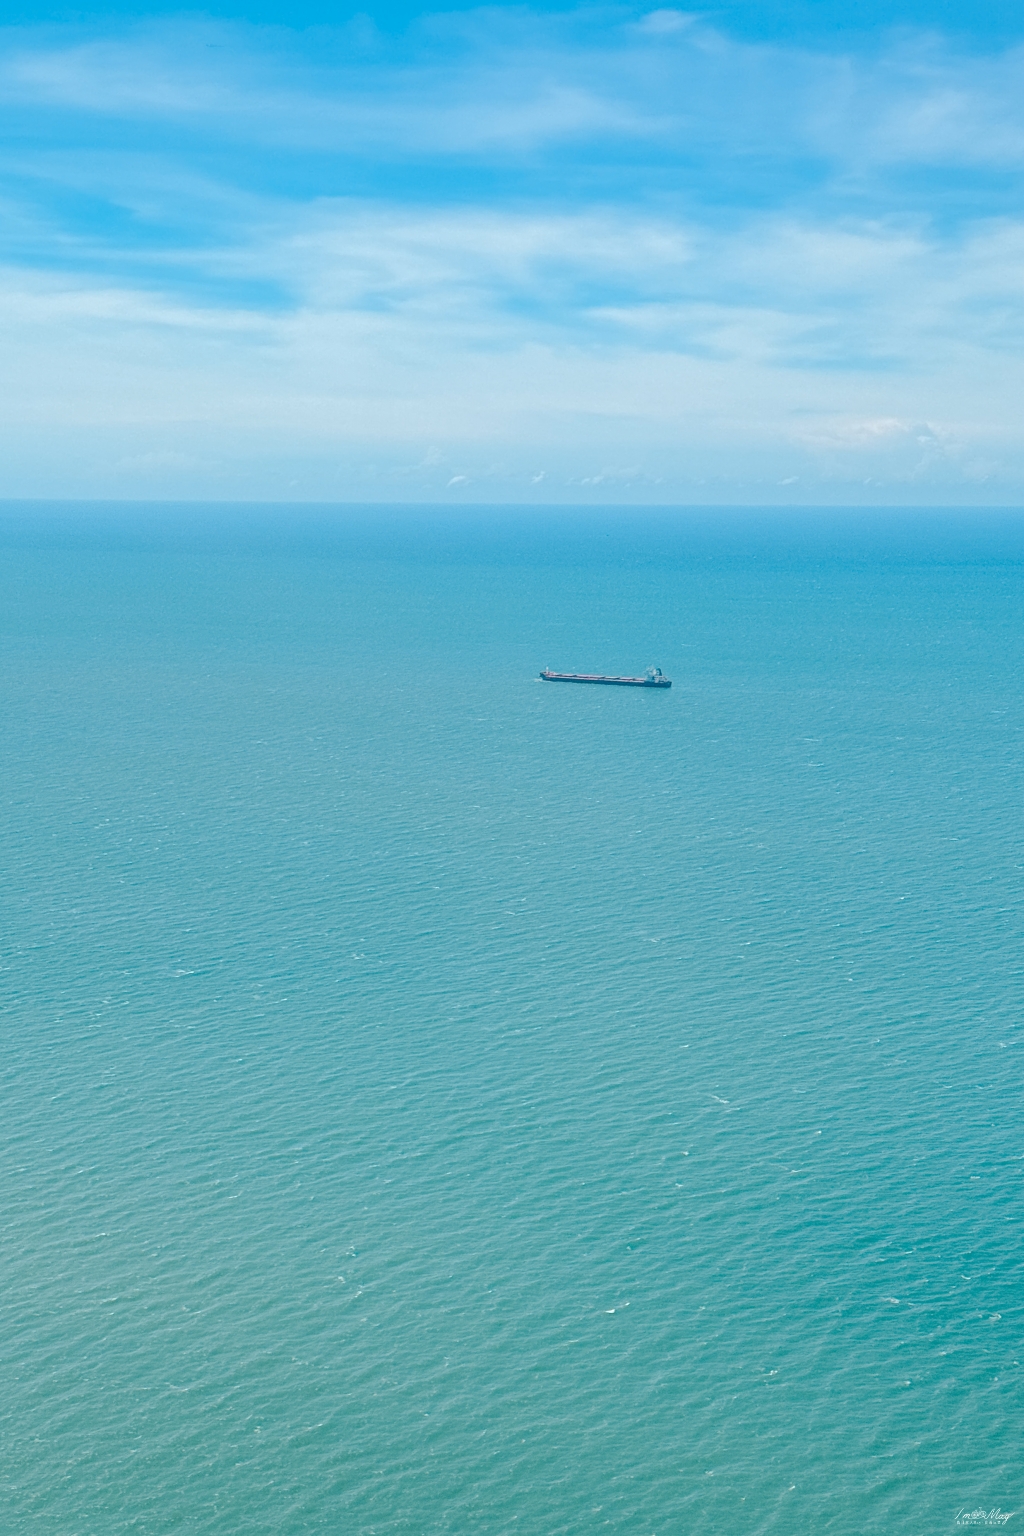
(654, 677)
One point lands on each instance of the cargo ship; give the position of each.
(652, 678)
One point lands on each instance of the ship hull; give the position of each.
(615, 682)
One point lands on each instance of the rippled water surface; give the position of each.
(438, 1101)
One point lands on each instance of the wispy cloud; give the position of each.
(468, 86)
(429, 265)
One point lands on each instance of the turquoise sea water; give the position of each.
(438, 1101)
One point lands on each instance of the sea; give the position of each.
(438, 1101)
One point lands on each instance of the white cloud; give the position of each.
(920, 104)
(415, 332)
(666, 23)
(865, 435)
(336, 390)
(515, 81)
(33, 301)
(458, 262)
(210, 72)
(115, 79)
(660, 284)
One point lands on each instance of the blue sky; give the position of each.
(751, 254)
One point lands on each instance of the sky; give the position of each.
(758, 254)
